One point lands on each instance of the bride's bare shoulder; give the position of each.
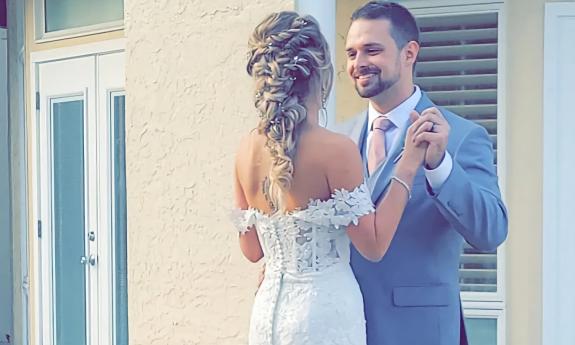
(331, 145)
(250, 142)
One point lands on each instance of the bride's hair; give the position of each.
(288, 59)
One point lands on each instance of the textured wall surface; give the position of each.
(188, 104)
(348, 103)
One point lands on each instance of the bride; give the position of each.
(301, 196)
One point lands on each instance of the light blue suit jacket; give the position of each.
(412, 295)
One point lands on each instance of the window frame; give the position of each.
(498, 315)
(42, 36)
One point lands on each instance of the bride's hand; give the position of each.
(413, 154)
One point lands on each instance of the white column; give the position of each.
(18, 171)
(324, 12)
(558, 182)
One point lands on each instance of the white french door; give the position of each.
(80, 196)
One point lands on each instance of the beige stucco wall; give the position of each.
(188, 104)
(524, 103)
(347, 102)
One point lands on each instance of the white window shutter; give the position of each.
(457, 68)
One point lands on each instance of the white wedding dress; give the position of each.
(309, 294)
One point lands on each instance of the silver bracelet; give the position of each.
(401, 182)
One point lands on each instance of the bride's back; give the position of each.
(312, 159)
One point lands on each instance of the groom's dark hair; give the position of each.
(403, 26)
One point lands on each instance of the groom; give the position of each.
(412, 295)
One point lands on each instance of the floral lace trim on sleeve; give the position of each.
(243, 220)
(342, 209)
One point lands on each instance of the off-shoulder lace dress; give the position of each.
(309, 294)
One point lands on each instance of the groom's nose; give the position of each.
(360, 61)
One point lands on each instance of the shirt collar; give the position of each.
(399, 115)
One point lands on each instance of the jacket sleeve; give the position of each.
(470, 198)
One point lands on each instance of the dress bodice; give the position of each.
(311, 239)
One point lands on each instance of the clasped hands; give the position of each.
(431, 128)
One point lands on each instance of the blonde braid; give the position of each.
(286, 52)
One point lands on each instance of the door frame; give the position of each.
(37, 58)
(557, 237)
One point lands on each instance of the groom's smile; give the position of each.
(364, 78)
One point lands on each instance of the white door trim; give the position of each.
(39, 164)
(558, 236)
(96, 48)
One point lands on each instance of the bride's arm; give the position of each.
(374, 232)
(249, 242)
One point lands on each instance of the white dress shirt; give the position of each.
(399, 116)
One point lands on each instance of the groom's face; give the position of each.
(373, 58)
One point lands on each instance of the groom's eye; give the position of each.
(373, 51)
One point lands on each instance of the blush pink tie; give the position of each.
(376, 153)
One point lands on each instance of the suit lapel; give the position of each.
(359, 134)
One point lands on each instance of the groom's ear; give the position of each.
(411, 52)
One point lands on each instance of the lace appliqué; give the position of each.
(342, 209)
(312, 238)
(309, 294)
(243, 220)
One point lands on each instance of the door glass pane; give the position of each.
(68, 207)
(481, 331)
(69, 14)
(119, 154)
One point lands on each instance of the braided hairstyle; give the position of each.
(288, 59)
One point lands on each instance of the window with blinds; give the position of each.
(457, 68)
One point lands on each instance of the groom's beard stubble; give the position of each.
(379, 85)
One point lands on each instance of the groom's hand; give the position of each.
(436, 136)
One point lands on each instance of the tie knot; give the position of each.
(382, 123)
